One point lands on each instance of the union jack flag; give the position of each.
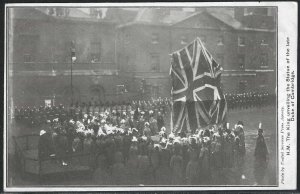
(198, 100)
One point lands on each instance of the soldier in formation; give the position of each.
(156, 109)
(248, 100)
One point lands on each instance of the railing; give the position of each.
(41, 66)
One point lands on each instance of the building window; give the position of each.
(155, 91)
(28, 58)
(248, 11)
(264, 82)
(261, 11)
(96, 12)
(183, 40)
(28, 46)
(154, 38)
(154, 62)
(220, 40)
(241, 41)
(127, 38)
(241, 62)
(95, 52)
(264, 60)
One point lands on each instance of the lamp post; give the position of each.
(73, 58)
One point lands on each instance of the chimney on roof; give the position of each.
(239, 13)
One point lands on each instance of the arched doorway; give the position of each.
(97, 92)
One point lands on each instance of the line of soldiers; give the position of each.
(34, 116)
(249, 100)
(136, 152)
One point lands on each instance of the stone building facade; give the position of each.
(117, 49)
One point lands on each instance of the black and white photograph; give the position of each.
(125, 95)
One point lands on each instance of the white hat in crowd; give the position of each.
(163, 129)
(134, 139)
(144, 138)
(42, 132)
(163, 140)
(171, 136)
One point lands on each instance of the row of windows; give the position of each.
(94, 55)
(155, 61)
(263, 61)
(155, 39)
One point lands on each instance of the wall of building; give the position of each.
(255, 74)
(34, 90)
(128, 52)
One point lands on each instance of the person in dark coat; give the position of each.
(160, 121)
(176, 165)
(261, 155)
(154, 154)
(216, 159)
(126, 145)
(61, 143)
(118, 169)
(143, 165)
(132, 162)
(204, 161)
(192, 171)
(164, 170)
(44, 145)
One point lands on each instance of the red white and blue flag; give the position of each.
(198, 100)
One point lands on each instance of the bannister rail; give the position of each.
(45, 66)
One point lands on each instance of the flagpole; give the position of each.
(171, 120)
(71, 80)
(73, 58)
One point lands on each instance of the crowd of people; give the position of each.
(249, 100)
(130, 144)
(134, 148)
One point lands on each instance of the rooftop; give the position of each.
(126, 17)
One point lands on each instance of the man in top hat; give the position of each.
(228, 148)
(261, 155)
(153, 123)
(160, 120)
